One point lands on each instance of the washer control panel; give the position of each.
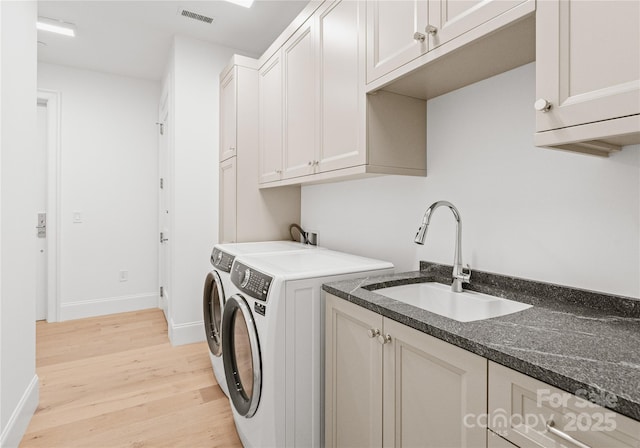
(221, 260)
(252, 282)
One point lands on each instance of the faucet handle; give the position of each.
(465, 275)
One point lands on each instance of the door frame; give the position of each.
(52, 100)
(165, 261)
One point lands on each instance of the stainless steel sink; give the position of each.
(466, 306)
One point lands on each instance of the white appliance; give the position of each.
(217, 282)
(273, 348)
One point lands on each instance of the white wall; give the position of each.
(109, 173)
(528, 212)
(194, 68)
(18, 380)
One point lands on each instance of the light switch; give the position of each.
(77, 217)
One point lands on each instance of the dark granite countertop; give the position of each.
(578, 341)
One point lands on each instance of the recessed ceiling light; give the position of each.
(56, 26)
(245, 3)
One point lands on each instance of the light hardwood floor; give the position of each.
(116, 381)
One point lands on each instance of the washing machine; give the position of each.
(273, 345)
(217, 282)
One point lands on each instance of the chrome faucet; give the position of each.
(460, 276)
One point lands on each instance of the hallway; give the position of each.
(116, 381)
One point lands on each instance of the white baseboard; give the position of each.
(181, 334)
(21, 416)
(108, 305)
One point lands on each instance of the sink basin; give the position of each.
(466, 306)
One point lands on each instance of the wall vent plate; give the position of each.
(194, 15)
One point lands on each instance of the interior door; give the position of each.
(164, 254)
(40, 233)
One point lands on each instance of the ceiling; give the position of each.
(133, 38)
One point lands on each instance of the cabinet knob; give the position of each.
(311, 162)
(431, 30)
(231, 148)
(542, 105)
(384, 339)
(419, 36)
(278, 171)
(373, 332)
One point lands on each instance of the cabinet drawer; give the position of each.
(495, 441)
(531, 413)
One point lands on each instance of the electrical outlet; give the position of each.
(77, 217)
(124, 276)
(312, 237)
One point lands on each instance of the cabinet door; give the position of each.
(452, 18)
(391, 25)
(228, 201)
(341, 36)
(430, 386)
(270, 86)
(228, 115)
(298, 61)
(353, 376)
(587, 61)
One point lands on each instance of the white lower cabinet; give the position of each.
(388, 384)
(533, 414)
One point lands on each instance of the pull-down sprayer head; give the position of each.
(459, 276)
(426, 219)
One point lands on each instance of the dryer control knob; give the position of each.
(245, 277)
(219, 259)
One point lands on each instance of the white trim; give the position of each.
(52, 100)
(108, 305)
(187, 333)
(19, 422)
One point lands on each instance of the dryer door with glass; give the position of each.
(212, 306)
(241, 355)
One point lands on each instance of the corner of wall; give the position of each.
(188, 333)
(19, 421)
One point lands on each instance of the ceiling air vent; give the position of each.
(195, 15)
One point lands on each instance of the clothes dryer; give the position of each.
(217, 282)
(273, 348)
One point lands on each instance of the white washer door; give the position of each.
(241, 356)
(212, 307)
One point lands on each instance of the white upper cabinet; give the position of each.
(395, 34)
(448, 19)
(228, 129)
(270, 128)
(340, 56)
(298, 62)
(399, 31)
(241, 203)
(588, 74)
(330, 127)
